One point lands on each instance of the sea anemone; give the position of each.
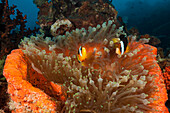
(166, 75)
(108, 82)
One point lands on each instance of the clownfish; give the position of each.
(122, 46)
(85, 57)
(82, 54)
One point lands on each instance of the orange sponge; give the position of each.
(30, 91)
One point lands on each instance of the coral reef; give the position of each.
(81, 13)
(152, 39)
(163, 59)
(131, 82)
(10, 37)
(2, 62)
(60, 27)
(4, 97)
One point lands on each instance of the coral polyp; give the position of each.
(108, 82)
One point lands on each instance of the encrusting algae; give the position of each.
(104, 82)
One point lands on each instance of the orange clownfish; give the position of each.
(85, 57)
(120, 45)
(82, 54)
(123, 44)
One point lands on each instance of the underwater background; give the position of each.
(142, 16)
(148, 16)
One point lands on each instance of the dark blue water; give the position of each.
(148, 16)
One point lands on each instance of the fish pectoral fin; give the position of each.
(118, 51)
